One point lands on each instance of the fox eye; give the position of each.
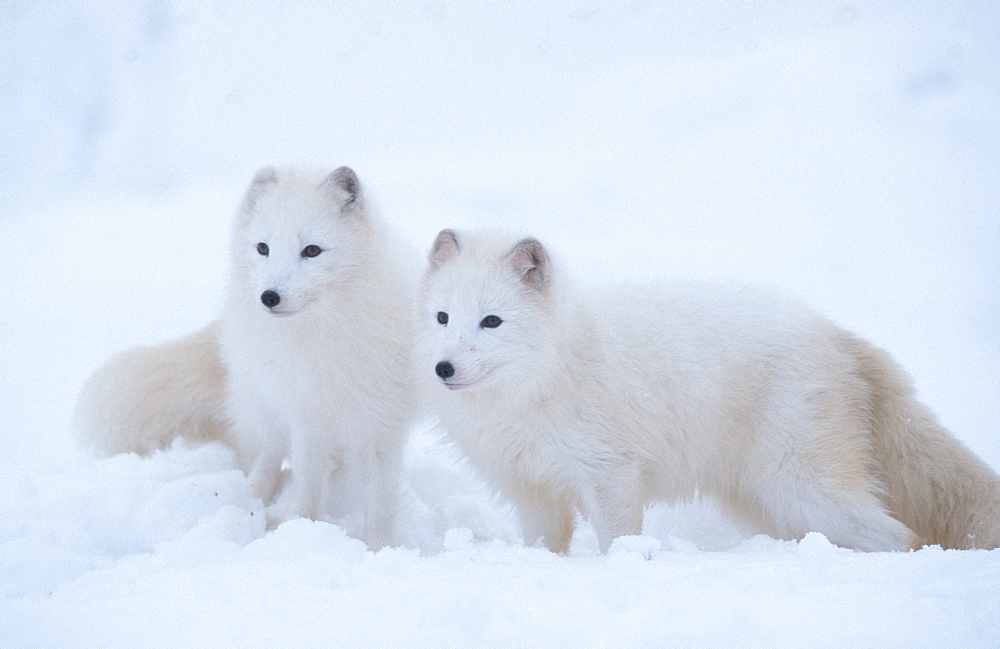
(442, 318)
(490, 322)
(311, 250)
(263, 249)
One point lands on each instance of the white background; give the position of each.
(845, 153)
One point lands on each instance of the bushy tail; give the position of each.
(146, 397)
(935, 485)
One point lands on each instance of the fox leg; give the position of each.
(826, 485)
(382, 498)
(550, 522)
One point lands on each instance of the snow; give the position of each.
(845, 153)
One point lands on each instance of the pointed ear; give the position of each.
(529, 258)
(264, 176)
(262, 181)
(345, 186)
(445, 247)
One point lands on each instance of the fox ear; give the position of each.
(529, 258)
(345, 185)
(445, 247)
(264, 176)
(262, 180)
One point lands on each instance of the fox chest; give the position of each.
(527, 455)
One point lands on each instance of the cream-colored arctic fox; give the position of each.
(607, 400)
(308, 364)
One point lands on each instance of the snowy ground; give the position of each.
(845, 153)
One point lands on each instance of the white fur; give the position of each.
(318, 383)
(607, 400)
(322, 380)
(146, 397)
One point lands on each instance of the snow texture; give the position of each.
(846, 153)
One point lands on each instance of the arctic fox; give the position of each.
(605, 401)
(308, 364)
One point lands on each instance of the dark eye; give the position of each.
(442, 318)
(311, 251)
(490, 322)
(263, 249)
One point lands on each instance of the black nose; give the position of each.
(270, 299)
(445, 370)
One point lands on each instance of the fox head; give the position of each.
(297, 237)
(485, 304)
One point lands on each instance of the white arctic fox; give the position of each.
(602, 402)
(308, 364)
